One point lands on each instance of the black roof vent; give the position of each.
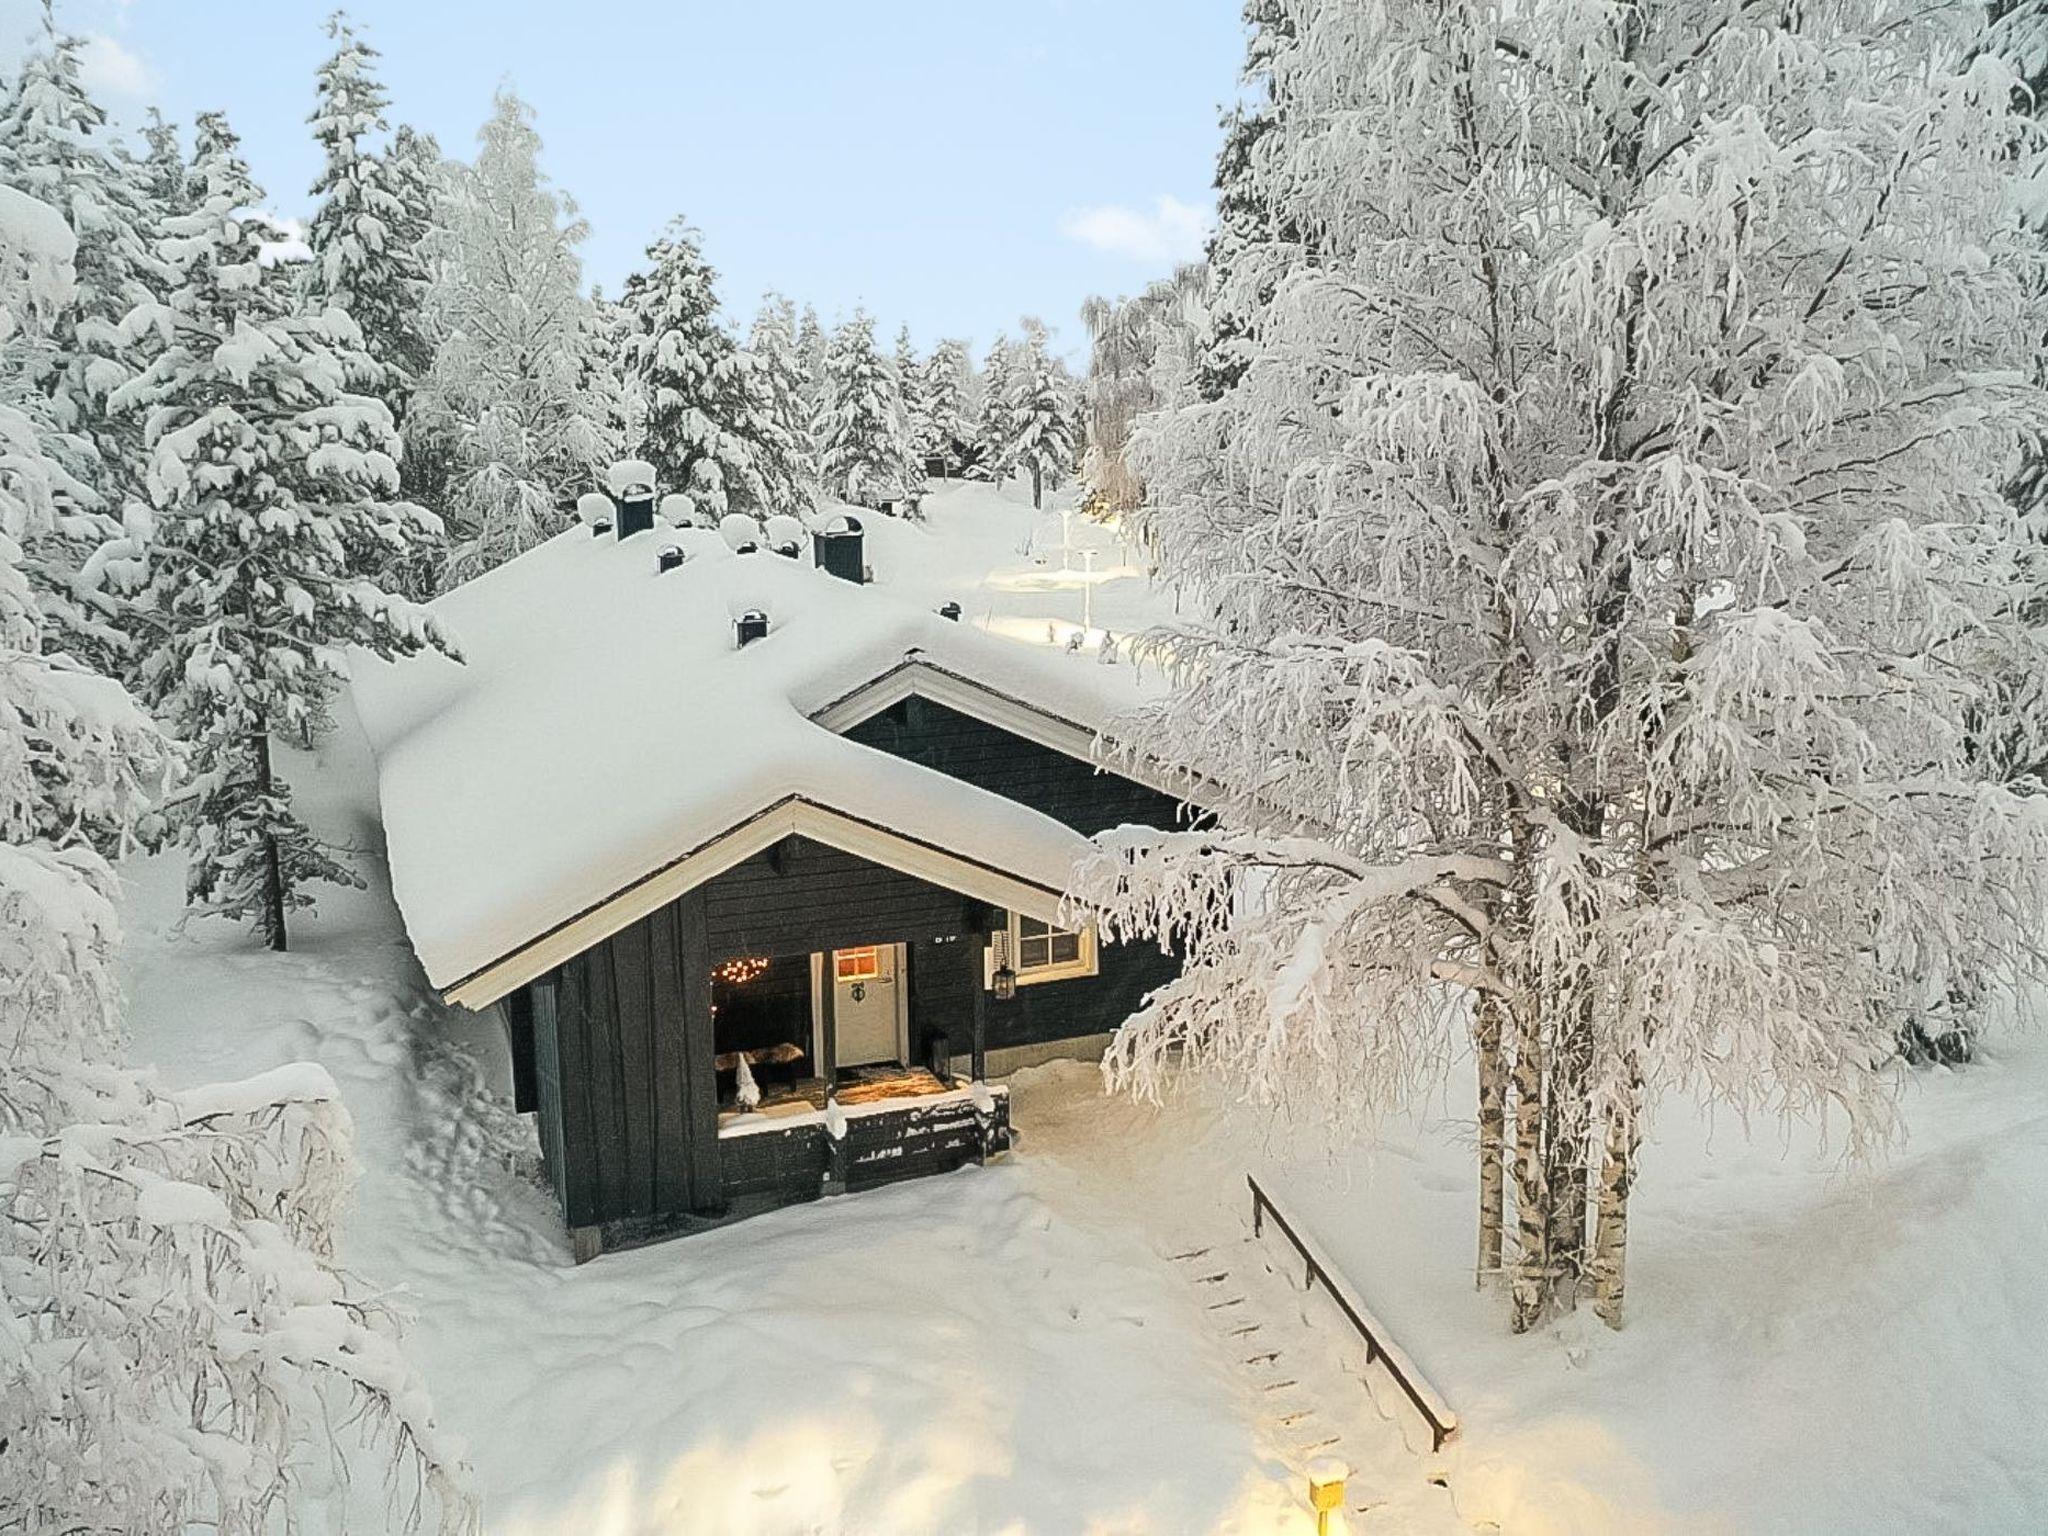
(836, 549)
(747, 547)
(631, 482)
(600, 526)
(789, 549)
(950, 611)
(669, 557)
(751, 626)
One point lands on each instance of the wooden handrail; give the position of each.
(1435, 1412)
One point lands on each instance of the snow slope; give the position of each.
(1017, 1350)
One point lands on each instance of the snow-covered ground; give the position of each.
(1023, 1348)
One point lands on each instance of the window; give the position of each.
(857, 964)
(1038, 951)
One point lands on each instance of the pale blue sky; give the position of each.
(950, 163)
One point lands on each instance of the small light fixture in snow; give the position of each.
(751, 626)
(1326, 1475)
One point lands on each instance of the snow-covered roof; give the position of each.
(605, 727)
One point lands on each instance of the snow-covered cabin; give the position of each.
(761, 865)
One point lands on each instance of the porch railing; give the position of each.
(1436, 1413)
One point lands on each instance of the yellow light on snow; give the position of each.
(1326, 1477)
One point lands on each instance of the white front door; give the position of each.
(868, 1003)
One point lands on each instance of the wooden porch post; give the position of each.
(979, 1068)
(828, 1026)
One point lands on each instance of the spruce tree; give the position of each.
(1039, 425)
(699, 402)
(992, 430)
(864, 450)
(267, 475)
(917, 420)
(783, 448)
(947, 381)
(57, 146)
(811, 347)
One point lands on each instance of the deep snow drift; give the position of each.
(1015, 1349)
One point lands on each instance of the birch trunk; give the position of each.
(1617, 1175)
(1493, 1113)
(1566, 1149)
(1532, 1207)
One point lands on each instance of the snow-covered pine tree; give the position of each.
(699, 404)
(167, 1292)
(269, 478)
(948, 388)
(57, 146)
(367, 242)
(1039, 436)
(1247, 220)
(614, 397)
(1603, 567)
(917, 416)
(811, 347)
(992, 431)
(864, 451)
(508, 318)
(163, 166)
(783, 450)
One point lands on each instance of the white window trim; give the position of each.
(1006, 945)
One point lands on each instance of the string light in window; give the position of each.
(737, 973)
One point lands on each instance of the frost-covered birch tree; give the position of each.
(1602, 561)
(270, 477)
(178, 1349)
(508, 318)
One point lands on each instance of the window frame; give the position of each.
(1009, 947)
(870, 953)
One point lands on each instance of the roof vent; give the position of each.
(601, 526)
(632, 487)
(678, 509)
(747, 547)
(751, 626)
(668, 557)
(836, 549)
(594, 511)
(789, 549)
(950, 611)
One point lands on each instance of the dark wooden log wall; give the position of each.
(1054, 783)
(801, 897)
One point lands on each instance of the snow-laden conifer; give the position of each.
(177, 1342)
(784, 451)
(1038, 424)
(947, 382)
(699, 402)
(863, 446)
(992, 429)
(274, 486)
(508, 319)
(1605, 571)
(57, 146)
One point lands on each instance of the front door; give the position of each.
(867, 1004)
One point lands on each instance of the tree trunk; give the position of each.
(1037, 488)
(273, 864)
(1617, 1175)
(1493, 1113)
(1567, 1145)
(1532, 1207)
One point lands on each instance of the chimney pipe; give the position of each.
(631, 482)
(836, 549)
(751, 626)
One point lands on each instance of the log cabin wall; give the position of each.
(991, 758)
